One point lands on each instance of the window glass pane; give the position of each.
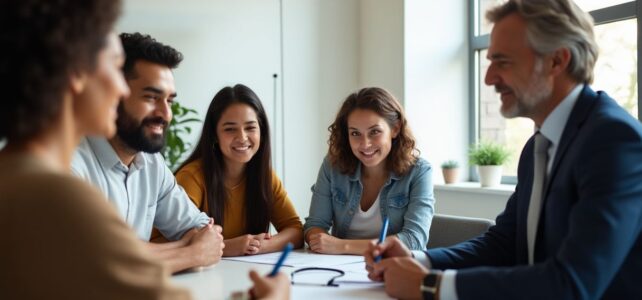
(616, 67)
(589, 5)
(485, 5)
(493, 127)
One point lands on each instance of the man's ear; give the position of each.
(560, 59)
(77, 82)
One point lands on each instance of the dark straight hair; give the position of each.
(258, 173)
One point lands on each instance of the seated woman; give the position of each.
(230, 176)
(372, 172)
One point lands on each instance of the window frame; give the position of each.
(615, 13)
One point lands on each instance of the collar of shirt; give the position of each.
(108, 157)
(554, 124)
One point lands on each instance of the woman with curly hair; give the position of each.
(372, 172)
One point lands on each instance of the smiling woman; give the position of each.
(372, 172)
(229, 175)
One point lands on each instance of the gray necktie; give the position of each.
(539, 179)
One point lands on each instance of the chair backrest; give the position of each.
(447, 230)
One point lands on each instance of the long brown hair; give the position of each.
(403, 153)
(258, 173)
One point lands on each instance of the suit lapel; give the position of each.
(578, 115)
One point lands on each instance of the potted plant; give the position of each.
(489, 158)
(449, 170)
(177, 131)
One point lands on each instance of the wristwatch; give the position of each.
(430, 286)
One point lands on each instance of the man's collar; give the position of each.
(107, 155)
(554, 124)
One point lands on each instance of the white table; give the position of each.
(219, 281)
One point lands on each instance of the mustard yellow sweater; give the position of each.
(283, 216)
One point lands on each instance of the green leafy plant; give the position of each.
(177, 131)
(450, 164)
(488, 154)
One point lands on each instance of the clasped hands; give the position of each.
(247, 244)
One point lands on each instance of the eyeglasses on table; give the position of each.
(333, 273)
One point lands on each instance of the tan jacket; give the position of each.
(62, 240)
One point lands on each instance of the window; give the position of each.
(615, 72)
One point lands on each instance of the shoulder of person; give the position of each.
(81, 155)
(421, 165)
(192, 167)
(67, 195)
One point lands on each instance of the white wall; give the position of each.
(320, 54)
(436, 79)
(381, 45)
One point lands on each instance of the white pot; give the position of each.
(489, 175)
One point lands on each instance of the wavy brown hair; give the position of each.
(403, 153)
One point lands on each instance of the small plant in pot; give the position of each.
(449, 169)
(489, 158)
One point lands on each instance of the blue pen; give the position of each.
(281, 260)
(382, 236)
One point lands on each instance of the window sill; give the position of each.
(475, 188)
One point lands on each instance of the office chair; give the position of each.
(447, 230)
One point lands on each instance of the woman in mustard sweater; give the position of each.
(229, 176)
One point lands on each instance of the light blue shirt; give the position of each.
(552, 129)
(408, 201)
(555, 122)
(145, 194)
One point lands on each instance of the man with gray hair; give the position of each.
(571, 229)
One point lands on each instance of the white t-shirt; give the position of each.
(366, 224)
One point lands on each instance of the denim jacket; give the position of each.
(407, 200)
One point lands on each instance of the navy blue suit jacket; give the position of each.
(588, 243)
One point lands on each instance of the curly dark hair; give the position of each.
(139, 46)
(42, 43)
(403, 153)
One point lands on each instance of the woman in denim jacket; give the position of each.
(372, 171)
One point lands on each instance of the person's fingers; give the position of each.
(380, 268)
(254, 276)
(369, 260)
(375, 277)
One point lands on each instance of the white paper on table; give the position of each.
(298, 259)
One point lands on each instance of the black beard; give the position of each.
(132, 132)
